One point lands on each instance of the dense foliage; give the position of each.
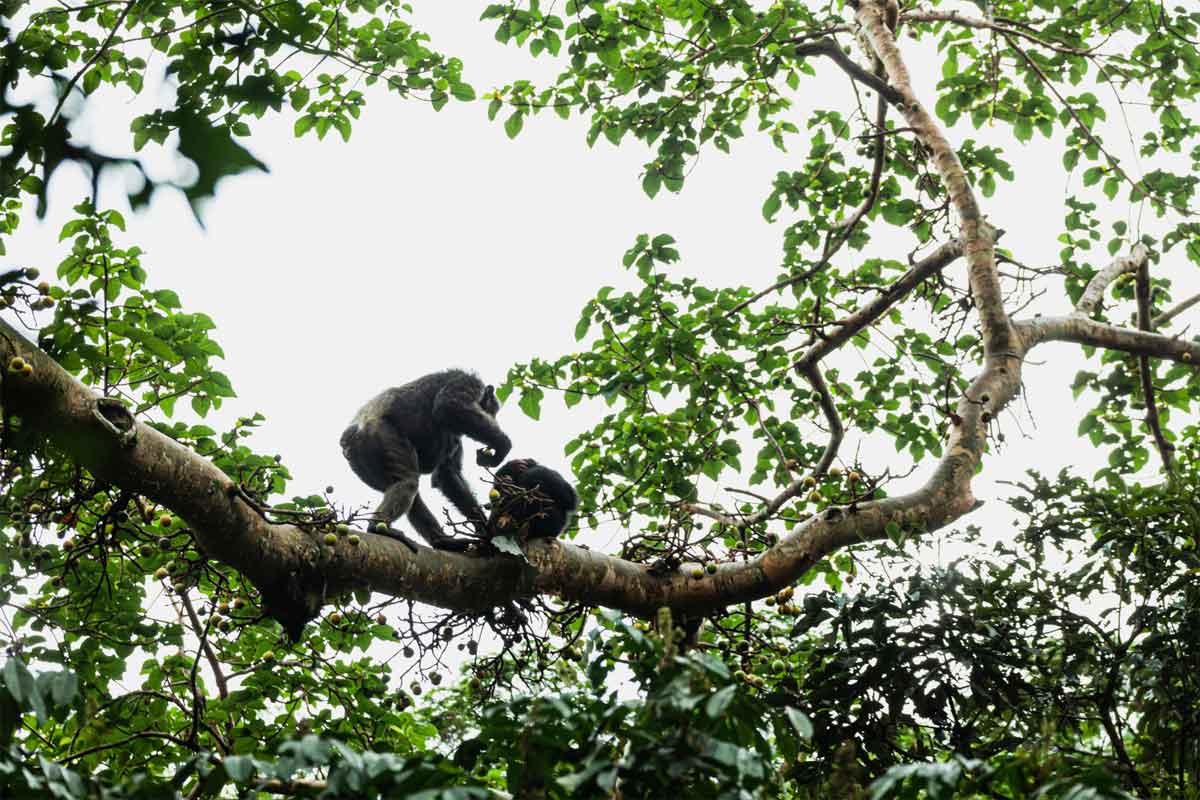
(1054, 660)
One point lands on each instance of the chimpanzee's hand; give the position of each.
(487, 457)
(493, 456)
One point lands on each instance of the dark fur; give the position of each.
(534, 496)
(417, 429)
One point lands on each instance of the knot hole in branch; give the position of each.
(115, 418)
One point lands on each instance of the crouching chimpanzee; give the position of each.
(530, 501)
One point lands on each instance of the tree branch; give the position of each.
(295, 572)
(100, 51)
(1101, 280)
(1174, 311)
(1081, 330)
(828, 47)
(846, 328)
(956, 18)
(829, 408)
(846, 226)
(997, 334)
(1142, 291)
(201, 631)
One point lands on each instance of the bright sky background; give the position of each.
(431, 240)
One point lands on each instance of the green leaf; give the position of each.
(18, 680)
(800, 722)
(719, 701)
(771, 207)
(159, 348)
(531, 402)
(239, 768)
(651, 182)
(581, 327)
(513, 125)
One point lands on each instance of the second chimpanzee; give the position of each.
(526, 495)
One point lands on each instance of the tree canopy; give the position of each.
(177, 624)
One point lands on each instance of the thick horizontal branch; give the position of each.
(293, 568)
(296, 571)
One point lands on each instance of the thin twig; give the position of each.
(202, 631)
(101, 50)
(1087, 132)
(846, 226)
(797, 486)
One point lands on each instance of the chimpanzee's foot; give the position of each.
(452, 545)
(386, 530)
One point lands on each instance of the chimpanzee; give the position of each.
(417, 429)
(527, 495)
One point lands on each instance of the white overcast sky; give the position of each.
(430, 239)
